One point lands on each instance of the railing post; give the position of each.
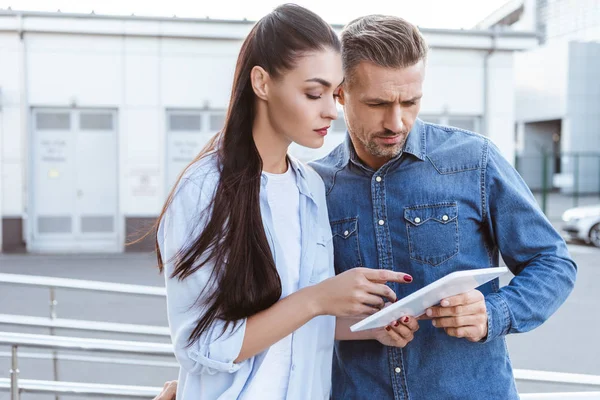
(14, 375)
(53, 304)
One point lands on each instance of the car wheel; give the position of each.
(595, 235)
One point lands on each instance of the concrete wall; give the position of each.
(541, 77)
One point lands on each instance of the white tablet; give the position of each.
(417, 303)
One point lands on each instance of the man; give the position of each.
(429, 200)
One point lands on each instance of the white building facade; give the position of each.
(99, 114)
(557, 92)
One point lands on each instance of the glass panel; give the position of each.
(54, 224)
(53, 121)
(185, 123)
(97, 224)
(96, 122)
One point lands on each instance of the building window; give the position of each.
(95, 122)
(48, 121)
(185, 122)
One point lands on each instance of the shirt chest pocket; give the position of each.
(432, 231)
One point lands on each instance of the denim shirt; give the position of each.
(207, 368)
(449, 202)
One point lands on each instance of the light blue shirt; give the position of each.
(207, 368)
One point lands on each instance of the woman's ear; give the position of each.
(260, 80)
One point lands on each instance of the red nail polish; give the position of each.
(387, 328)
(405, 320)
(396, 323)
(407, 278)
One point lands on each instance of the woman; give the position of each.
(245, 235)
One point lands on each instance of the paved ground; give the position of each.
(568, 342)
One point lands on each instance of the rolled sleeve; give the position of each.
(218, 347)
(498, 317)
(534, 251)
(218, 352)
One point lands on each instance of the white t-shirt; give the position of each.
(271, 379)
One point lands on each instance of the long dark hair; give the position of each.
(234, 239)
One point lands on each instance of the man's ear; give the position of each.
(260, 80)
(341, 98)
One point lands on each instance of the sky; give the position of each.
(448, 14)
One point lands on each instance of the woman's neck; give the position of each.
(271, 145)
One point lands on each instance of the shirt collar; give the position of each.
(415, 145)
(301, 175)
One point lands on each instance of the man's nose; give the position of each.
(393, 119)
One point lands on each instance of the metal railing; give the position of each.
(568, 178)
(91, 345)
(81, 325)
(557, 377)
(53, 322)
(77, 284)
(560, 396)
(56, 343)
(82, 389)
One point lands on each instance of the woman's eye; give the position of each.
(312, 97)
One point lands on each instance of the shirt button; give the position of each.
(381, 222)
(417, 220)
(378, 179)
(397, 370)
(346, 233)
(445, 218)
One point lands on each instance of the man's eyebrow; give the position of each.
(413, 99)
(376, 100)
(380, 100)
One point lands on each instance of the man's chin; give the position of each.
(385, 151)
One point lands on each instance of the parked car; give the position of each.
(583, 223)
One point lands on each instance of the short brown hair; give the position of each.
(383, 40)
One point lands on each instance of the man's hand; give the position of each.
(461, 316)
(169, 391)
(397, 334)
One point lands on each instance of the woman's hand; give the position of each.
(357, 292)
